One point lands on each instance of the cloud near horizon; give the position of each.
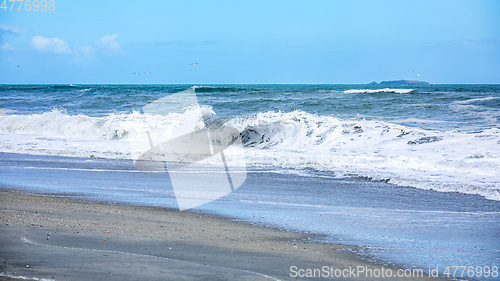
(59, 46)
(53, 45)
(109, 42)
(7, 47)
(4, 32)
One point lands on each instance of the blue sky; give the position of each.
(337, 42)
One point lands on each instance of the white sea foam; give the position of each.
(417, 120)
(57, 133)
(443, 161)
(57, 123)
(475, 100)
(386, 90)
(6, 274)
(6, 111)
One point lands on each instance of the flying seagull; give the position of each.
(194, 63)
(136, 73)
(147, 72)
(18, 66)
(416, 73)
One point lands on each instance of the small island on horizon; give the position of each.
(401, 82)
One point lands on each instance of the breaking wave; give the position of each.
(407, 156)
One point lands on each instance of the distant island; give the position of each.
(400, 82)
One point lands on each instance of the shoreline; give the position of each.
(57, 237)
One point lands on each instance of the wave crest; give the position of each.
(111, 127)
(439, 160)
(445, 161)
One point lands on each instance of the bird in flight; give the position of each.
(147, 72)
(194, 63)
(136, 73)
(18, 66)
(416, 73)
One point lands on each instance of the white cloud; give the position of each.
(7, 31)
(7, 47)
(54, 45)
(109, 42)
(87, 50)
(84, 52)
(13, 29)
(105, 45)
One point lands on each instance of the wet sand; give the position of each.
(57, 237)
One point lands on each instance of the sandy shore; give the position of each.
(55, 237)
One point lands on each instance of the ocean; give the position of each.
(410, 172)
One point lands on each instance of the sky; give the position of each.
(250, 42)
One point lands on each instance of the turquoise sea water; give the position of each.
(446, 107)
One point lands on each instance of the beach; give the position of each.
(51, 236)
